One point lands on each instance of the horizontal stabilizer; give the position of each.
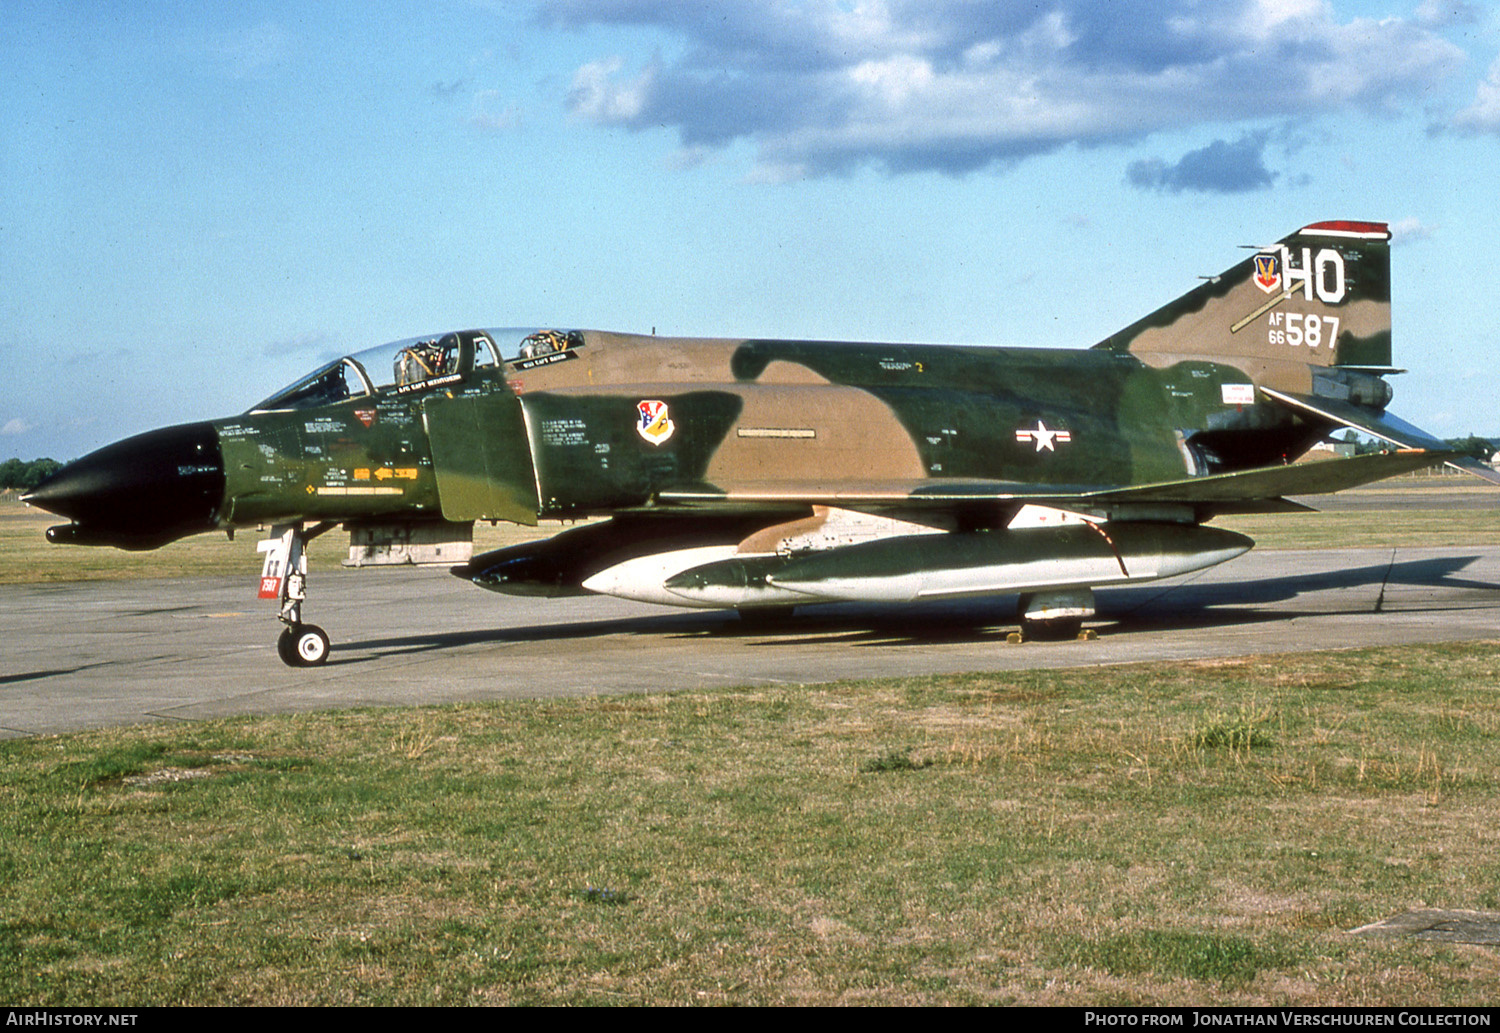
(1272, 481)
(1476, 468)
(1384, 426)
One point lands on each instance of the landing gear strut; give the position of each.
(283, 577)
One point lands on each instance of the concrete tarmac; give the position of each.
(96, 654)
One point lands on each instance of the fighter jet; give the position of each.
(767, 474)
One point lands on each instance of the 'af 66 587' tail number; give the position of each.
(1296, 328)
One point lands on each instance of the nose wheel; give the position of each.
(283, 577)
(302, 645)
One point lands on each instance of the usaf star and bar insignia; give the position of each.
(1045, 438)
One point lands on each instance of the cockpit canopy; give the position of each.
(415, 364)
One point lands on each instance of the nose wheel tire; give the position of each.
(303, 645)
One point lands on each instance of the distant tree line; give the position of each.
(26, 473)
(1474, 445)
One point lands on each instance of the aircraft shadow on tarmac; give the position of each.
(1196, 604)
(1183, 604)
(55, 672)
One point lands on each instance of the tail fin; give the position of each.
(1321, 297)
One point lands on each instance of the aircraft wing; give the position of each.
(1383, 426)
(1246, 490)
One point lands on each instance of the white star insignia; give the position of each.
(1044, 437)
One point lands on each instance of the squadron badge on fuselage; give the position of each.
(655, 422)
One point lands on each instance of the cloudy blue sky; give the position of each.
(200, 201)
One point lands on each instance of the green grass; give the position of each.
(27, 558)
(1243, 731)
(1417, 521)
(1405, 527)
(1199, 832)
(1203, 958)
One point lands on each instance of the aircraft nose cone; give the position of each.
(150, 488)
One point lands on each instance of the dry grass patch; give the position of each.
(27, 558)
(1180, 833)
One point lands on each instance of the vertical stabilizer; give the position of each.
(1320, 297)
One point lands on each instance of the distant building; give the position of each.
(1329, 450)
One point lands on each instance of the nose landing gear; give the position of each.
(283, 577)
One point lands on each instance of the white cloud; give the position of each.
(597, 96)
(1447, 12)
(821, 86)
(1407, 230)
(16, 426)
(1482, 116)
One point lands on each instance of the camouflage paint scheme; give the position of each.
(802, 417)
(810, 421)
(812, 462)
